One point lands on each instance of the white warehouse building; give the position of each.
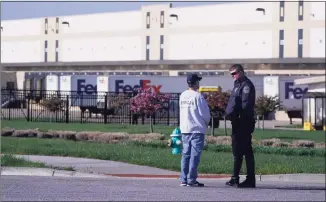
(255, 30)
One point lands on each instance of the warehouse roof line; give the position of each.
(170, 62)
(310, 80)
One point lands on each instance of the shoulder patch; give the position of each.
(246, 89)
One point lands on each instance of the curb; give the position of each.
(202, 176)
(316, 178)
(46, 172)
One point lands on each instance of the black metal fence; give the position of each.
(79, 107)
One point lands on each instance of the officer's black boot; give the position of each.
(250, 181)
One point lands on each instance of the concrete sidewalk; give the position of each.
(103, 168)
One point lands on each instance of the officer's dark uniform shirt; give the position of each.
(242, 101)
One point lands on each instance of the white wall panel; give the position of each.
(224, 45)
(22, 51)
(119, 21)
(317, 42)
(22, 27)
(221, 14)
(101, 49)
(317, 11)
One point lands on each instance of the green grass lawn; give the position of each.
(12, 161)
(211, 162)
(284, 135)
(290, 126)
(9, 160)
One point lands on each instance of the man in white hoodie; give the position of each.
(194, 120)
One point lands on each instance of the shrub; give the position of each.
(217, 102)
(266, 104)
(48, 134)
(304, 143)
(7, 131)
(53, 104)
(25, 133)
(87, 135)
(269, 142)
(221, 140)
(111, 137)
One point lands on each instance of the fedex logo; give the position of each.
(87, 88)
(143, 84)
(297, 92)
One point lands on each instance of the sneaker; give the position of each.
(195, 184)
(183, 184)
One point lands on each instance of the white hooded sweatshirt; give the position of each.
(194, 112)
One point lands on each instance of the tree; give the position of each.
(53, 104)
(147, 103)
(217, 102)
(115, 103)
(266, 105)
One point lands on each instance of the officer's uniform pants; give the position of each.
(241, 146)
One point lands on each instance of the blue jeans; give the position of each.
(193, 144)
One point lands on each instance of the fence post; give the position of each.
(67, 109)
(28, 115)
(168, 121)
(106, 108)
(10, 94)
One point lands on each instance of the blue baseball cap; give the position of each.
(193, 78)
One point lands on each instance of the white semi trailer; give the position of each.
(284, 87)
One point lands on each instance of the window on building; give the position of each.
(148, 20)
(162, 47)
(57, 25)
(282, 4)
(45, 51)
(57, 50)
(300, 11)
(147, 47)
(162, 19)
(46, 26)
(281, 44)
(300, 42)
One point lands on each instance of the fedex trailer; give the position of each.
(41, 81)
(84, 90)
(290, 95)
(81, 89)
(40, 86)
(173, 84)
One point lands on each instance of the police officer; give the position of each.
(240, 110)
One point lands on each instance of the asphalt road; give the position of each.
(15, 188)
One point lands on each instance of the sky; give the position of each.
(21, 10)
